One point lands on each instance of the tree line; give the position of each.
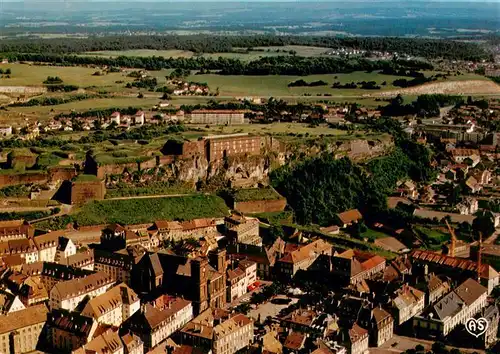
(419, 47)
(280, 65)
(423, 106)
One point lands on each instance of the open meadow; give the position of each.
(35, 75)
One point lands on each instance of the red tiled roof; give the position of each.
(349, 216)
(486, 271)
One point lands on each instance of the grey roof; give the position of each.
(448, 306)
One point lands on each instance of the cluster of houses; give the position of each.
(183, 88)
(176, 287)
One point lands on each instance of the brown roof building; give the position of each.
(303, 258)
(15, 229)
(348, 217)
(68, 294)
(108, 342)
(354, 266)
(219, 331)
(467, 300)
(19, 331)
(154, 326)
(456, 267)
(198, 280)
(114, 306)
(68, 331)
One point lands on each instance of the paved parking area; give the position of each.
(269, 309)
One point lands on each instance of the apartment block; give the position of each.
(68, 294)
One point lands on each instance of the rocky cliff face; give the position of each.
(243, 170)
(248, 171)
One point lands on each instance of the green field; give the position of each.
(239, 53)
(372, 235)
(277, 85)
(147, 210)
(434, 238)
(34, 75)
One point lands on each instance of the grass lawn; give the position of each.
(373, 234)
(289, 131)
(433, 237)
(277, 217)
(85, 178)
(146, 210)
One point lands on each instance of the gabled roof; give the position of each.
(151, 318)
(107, 343)
(79, 286)
(312, 249)
(470, 290)
(357, 333)
(116, 296)
(407, 296)
(379, 314)
(72, 322)
(448, 306)
(350, 216)
(155, 264)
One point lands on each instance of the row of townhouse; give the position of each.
(42, 248)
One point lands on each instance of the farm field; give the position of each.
(251, 55)
(277, 85)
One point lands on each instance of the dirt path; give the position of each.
(153, 196)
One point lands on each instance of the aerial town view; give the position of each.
(249, 177)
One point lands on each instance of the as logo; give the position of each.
(476, 327)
